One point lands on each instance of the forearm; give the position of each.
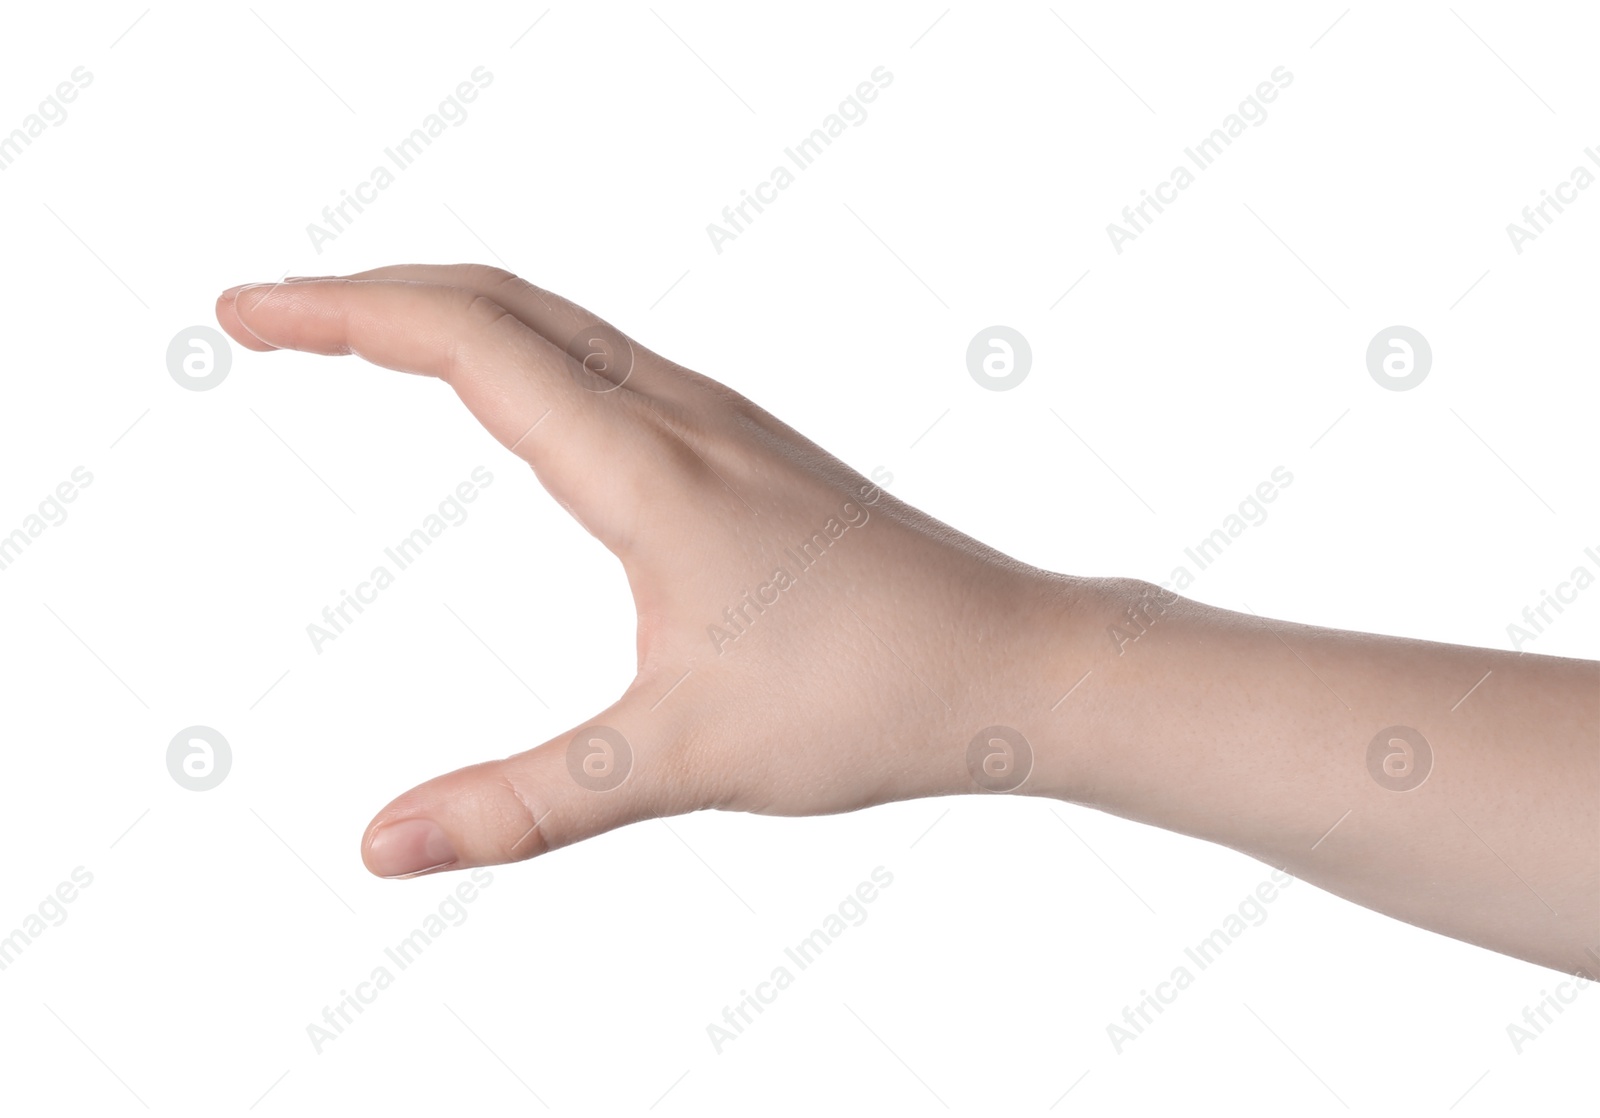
(1257, 733)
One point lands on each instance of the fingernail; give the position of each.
(237, 290)
(250, 295)
(410, 847)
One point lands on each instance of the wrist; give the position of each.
(1032, 718)
(1084, 635)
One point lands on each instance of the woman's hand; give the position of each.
(809, 644)
(806, 643)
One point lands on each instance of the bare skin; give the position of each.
(877, 668)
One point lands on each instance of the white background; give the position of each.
(1227, 340)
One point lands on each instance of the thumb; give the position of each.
(599, 776)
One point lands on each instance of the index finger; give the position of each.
(510, 377)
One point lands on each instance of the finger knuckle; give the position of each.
(528, 834)
(484, 311)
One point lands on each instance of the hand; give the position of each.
(806, 642)
(809, 644)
